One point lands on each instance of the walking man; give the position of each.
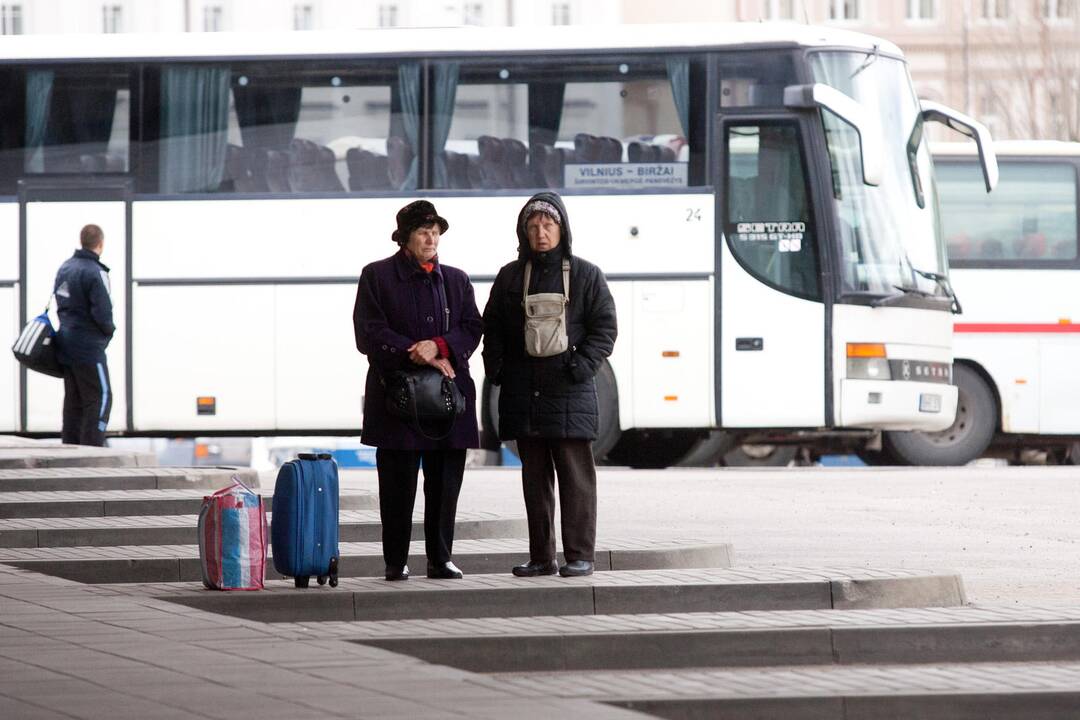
(86, 327)
(545, 365)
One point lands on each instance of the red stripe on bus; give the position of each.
(1017, 327)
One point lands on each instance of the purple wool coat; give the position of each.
(398, 304)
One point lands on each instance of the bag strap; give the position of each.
(565, 281)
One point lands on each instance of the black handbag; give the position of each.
(425, 399)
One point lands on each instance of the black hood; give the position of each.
(523, 240)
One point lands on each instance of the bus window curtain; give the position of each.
(408, 92)
(39, 84)
(545, 117)
(267, 115)
(678, 71)
(194, 121)
(443, 97)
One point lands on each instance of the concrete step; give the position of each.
(142, 478)
(108, 503)
(502, 595)
(354, 526)
(675, 641)
(43, 455)
(977, 691)
(178, 563)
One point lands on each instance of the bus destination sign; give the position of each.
(628, 176)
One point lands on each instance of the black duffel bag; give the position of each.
(36, 347)
(424, 398)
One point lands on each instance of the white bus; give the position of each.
(1014, 265)
(760, 197)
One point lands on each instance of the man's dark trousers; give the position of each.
(443, 472)
(541, 460)
(87, 403)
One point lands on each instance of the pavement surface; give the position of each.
(1011, 532)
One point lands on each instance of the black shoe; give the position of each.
(533, 569)
(577, 568)
(444, 571)
(393, 572)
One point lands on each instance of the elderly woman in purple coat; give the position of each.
(412, 311)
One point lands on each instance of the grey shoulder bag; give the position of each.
(545, 316)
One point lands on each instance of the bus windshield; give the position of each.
(889, 231)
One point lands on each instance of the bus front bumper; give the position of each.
(897, 405)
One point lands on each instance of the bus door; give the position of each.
(772, 321)
(52, 211)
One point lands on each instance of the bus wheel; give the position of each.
(965, 440)
(607, 396)
(760, 455)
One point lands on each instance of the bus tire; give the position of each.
(965, 440)
(607, 399)
(760, 455)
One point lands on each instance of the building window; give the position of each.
(112, 18)
(388, 15)
(11, 19)
(303, 17)
(472, 13)
(845, 9)
(780, 9)
(922, 9)
(1057, 9)
(213, 17)
(995, 9)
(560, 13)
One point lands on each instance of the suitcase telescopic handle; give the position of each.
(314, 456)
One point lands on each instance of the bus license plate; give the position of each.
(929, 403)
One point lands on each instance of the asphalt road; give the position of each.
(1013, 532)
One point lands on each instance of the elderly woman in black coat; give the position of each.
(548, 403)
(412, 311)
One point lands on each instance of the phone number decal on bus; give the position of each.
(787, 235)
(631, 176)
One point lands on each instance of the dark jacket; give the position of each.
(85, 309)
(552, 397)
(398, 304)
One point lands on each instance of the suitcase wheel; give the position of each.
(333, 571)
(302, 581)
(321, 579)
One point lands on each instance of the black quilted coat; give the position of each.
(552, 397)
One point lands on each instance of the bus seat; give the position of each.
(552, 163)
(1031, 245)
(367, 170)
(636, 152)
(276, 163)
(473, 171)
(1064, 250)
(326, 176)
(399, 159)
(493, 166)
(517, 161)
(610, 149)
(991, 250)
(586, 148)
(667, 154)
(457, 170)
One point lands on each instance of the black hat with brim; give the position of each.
(417, 214)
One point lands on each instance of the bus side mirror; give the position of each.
(961, 123)
(871, 147)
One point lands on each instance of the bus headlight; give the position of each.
(865, 368)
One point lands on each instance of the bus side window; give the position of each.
(61, 119)
(287, 127)
(768, 222)
(618, 123)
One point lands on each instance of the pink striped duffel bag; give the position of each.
(232, 539)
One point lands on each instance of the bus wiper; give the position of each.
(901, 293)
(945, 285)
(871, 58)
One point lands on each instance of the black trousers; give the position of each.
(572, 460)
(87, 403)
(443, 472)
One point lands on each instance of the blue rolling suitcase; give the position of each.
(304, 529)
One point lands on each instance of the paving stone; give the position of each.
(354, 526)
(108, 503)
(175, 563)
(122, 478)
